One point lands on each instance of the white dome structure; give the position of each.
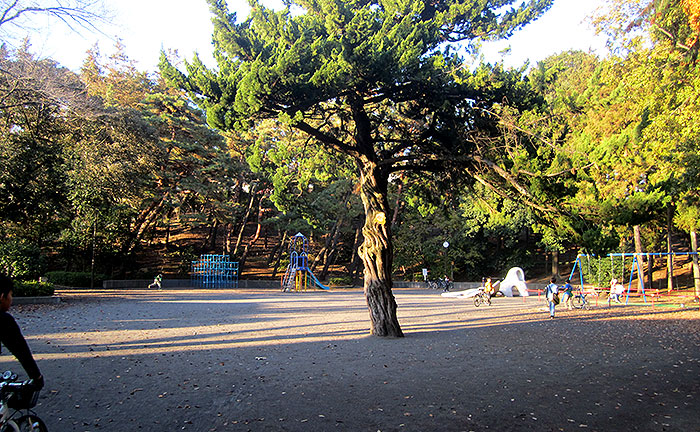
(514, 279)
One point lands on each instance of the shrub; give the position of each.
(340, 281)
(32, 289)
(74, 279)
(20, 259)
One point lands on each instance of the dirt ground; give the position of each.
(262, 360)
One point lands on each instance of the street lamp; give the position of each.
(446, 245)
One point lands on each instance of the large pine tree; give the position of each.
(377, 80)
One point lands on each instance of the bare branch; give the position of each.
(77, 15)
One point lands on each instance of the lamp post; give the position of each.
(446, 245)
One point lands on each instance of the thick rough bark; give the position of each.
(376, 252)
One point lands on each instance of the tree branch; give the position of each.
(526, 199)
(326, 139)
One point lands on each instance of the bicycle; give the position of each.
(440, 284)
(482, 298)
(16, 402)
(580, 300)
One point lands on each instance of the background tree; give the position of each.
(33, 195)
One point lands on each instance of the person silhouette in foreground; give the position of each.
(11, 336)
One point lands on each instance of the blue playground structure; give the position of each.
(214, 271)
(298, 276)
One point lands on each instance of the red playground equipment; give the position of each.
(298, 276)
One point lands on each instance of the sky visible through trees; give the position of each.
(147, 27)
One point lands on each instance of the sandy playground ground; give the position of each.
(262, 360)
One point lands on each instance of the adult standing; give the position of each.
(551, 292)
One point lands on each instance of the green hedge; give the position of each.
(340, 281)
(32, 289)
(74, 279)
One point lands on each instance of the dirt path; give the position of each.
(268, 361)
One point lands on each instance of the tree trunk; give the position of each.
(279, 255)
(696, 267)
(669, 249)
(255, 238)
(142, 222)
(168, 228)
(638, 250)
(92, 261)
(322, 256)
(319, 256)
(206, 243)
(276, 248)
(213, 232)
(332, 246)
(329, 261)
(332, 249)
(244, 222)
(397, 204)
(376, 251)
(555, 263)
(355, 264)
(227, 240)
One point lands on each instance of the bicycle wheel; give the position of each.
(477, 300)
(580, 302)
(31, 423)
(10, 426)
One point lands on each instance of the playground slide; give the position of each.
(466, 293)
(319, 284)
(515, 279)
